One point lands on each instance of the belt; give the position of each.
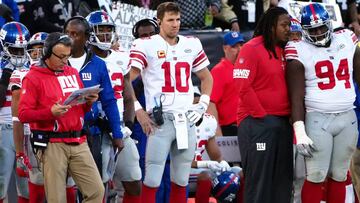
(70, 134)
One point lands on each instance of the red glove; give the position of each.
(22, 165)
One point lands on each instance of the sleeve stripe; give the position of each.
(137, 60)
(200, 57)
(290, 51)
(354, 38)
(291, 56)
(138, 56)
(200, 62)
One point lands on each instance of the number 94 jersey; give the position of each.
(166, 70)
(329, 84)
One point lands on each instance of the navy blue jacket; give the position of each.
(357, 109)
(94, 72)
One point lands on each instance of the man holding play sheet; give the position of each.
(56, 128)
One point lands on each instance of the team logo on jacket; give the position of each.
(241, 73)
(161, 54)
(86, 76)
(68, 83)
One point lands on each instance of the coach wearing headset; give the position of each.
(56, 127)
(93, 71)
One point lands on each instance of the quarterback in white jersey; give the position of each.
(320, 82)
(166, 62)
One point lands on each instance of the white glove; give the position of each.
(225, 166)
(197, 110)
(304, 144)
(212, 165)
(126, 131)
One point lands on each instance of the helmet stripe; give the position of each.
(225, 187)
(313, 11)
(20, 32)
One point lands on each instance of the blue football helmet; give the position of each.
(295, 25)
(314, 17)
(14, 38)
(225, 186)
(35, 53)
(100, 20)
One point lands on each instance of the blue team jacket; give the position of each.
(94, 72)
(357, 110)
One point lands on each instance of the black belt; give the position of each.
(70, 134)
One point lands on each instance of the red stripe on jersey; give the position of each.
(290, 51)
(138, 55)
(137, 61)
(292, 56)
(200, 62)
(313, 11)
(354, 38)
(200, 56)
(15, 80)
(7, 104)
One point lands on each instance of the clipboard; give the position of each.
(78, 96)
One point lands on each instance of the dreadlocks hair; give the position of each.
(267, 22)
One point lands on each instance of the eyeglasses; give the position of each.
(66, 57)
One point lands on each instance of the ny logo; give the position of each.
(86, 76)
(68, 83)
(260, 146)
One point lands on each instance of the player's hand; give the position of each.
(126, 131)
(59, 110)
(197, 110)
(304, 144)
(118, 144)
(91, 98)
(225, 166)
(147, 125)
(214, 166)
(23, 165)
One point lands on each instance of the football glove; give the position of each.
(225, 166)
(22, 165)
(126, 131)
(304, 144)
(197, 110)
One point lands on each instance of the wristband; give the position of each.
(201, 164)
(298, 125)
(15, 119)
(137, 105)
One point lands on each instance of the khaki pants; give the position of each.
(59, 159)
(355, 171)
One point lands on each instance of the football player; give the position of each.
(35, 46)
(101, 39)
(320, 82)
(166, 62)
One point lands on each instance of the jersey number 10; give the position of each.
(342, 73)
(179, 84)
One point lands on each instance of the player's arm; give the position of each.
(213, 150)
(295, 78)
(206, 81)
(18, 127)
(213, 111)
(146, 123)
(356, 63)
(128, 102)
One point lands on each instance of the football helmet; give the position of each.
(35, 52)
(295, 25)
(316, 24)
(14, 38)
(225, 186)
(100, 36)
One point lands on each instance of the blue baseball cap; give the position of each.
(232, 38)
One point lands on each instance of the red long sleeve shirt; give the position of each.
(42, 88)
(261, 81)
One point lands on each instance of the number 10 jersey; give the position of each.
(329, 84)
(166, 70)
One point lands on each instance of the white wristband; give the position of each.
(137, 105)
(205, 99)
(299, 125)
(15, 119)
(201, 164)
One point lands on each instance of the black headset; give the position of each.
(48, 45)
(86, 24)
(142, 22)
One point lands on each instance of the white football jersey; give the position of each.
(5, 111)
(204, 132)
(117, 65)
(329, 84)
(166, 70)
